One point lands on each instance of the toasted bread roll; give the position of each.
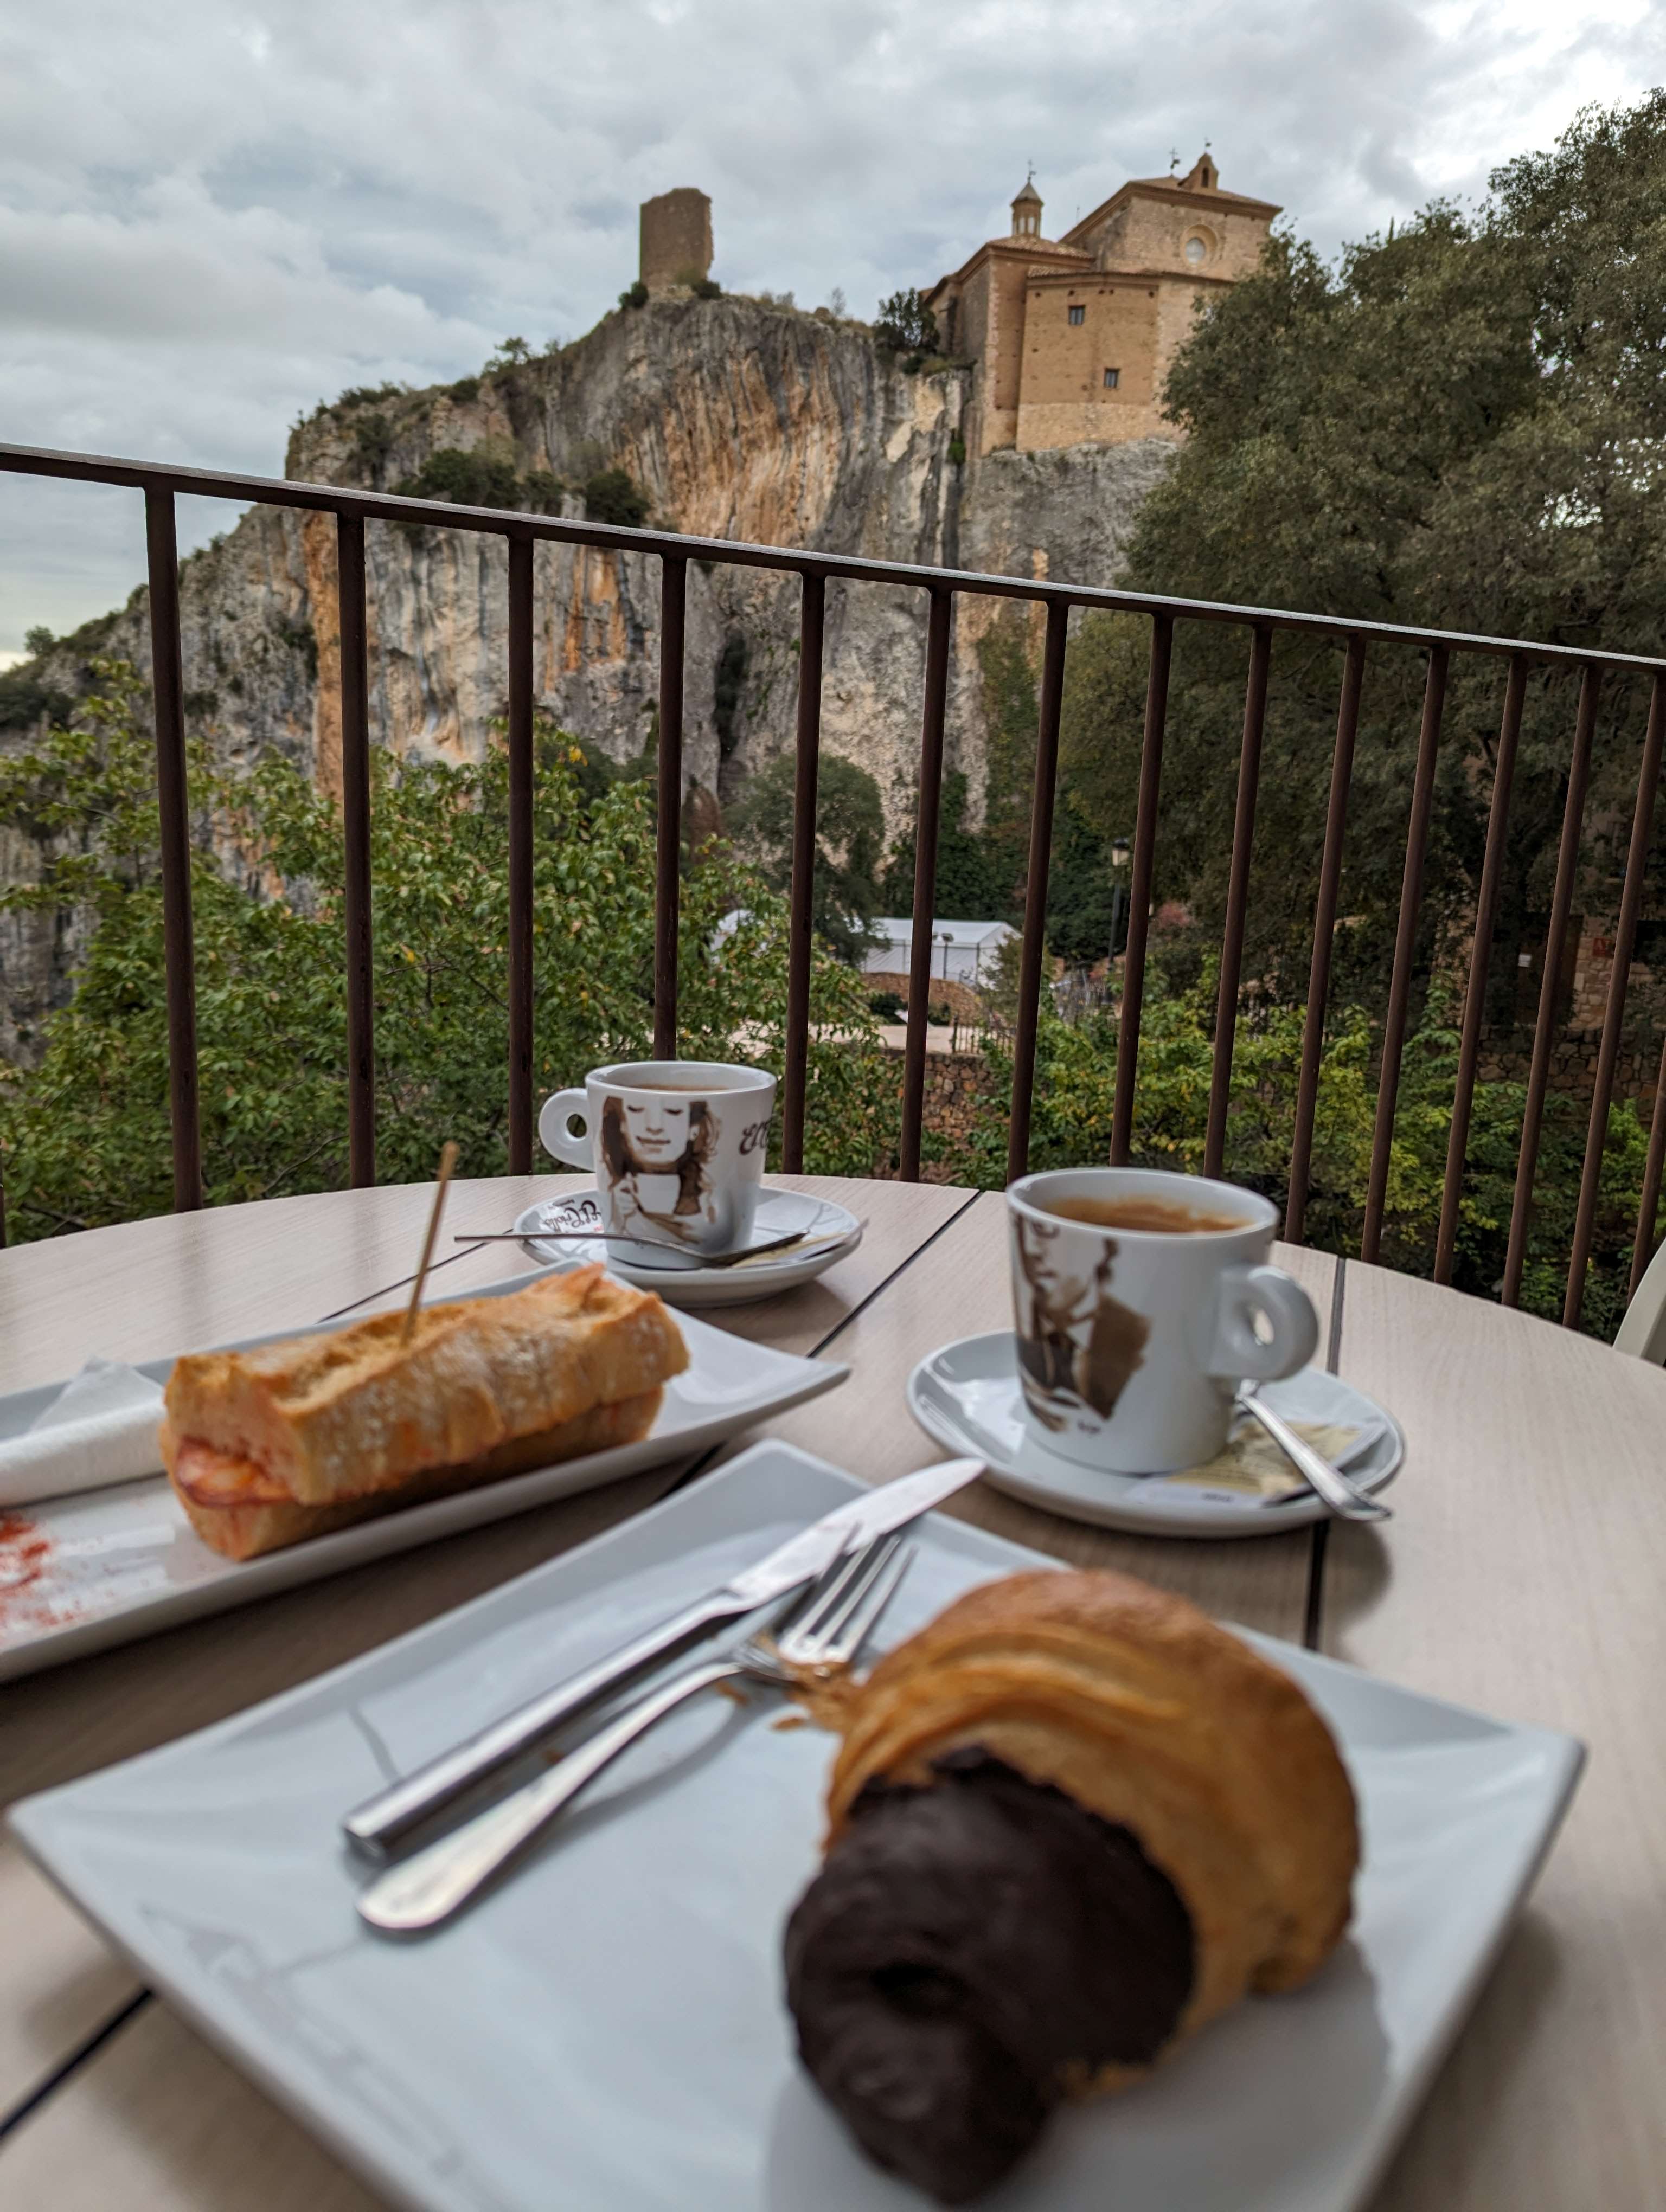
(332, 1417)
(241, 1512)
(267, 1446)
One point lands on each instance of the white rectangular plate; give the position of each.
(79, 1573)
(607, 2028)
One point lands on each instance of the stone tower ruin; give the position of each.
(677, 239)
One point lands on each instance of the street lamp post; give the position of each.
(1119, 859)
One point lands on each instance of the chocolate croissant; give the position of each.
(1069, 1821)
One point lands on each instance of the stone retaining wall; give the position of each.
(958, 1098)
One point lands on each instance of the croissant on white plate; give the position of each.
(1070, 1822)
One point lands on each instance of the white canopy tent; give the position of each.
(962, 951)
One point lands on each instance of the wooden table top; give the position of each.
(1522, 1574)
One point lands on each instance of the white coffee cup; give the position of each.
(1131, 1339)
(678, 1148)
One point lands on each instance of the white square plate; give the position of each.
(607, 2030)
(80, 1573)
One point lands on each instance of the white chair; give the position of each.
(1643, 1332)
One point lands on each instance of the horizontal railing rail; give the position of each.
(352, 509)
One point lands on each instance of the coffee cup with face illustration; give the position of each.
(1142, 1300)
(678, 1149)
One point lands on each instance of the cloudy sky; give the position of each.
(213, 215)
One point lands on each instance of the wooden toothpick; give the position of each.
(448, 1162)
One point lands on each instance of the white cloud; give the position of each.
(206, 227)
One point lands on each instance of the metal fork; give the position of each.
(825, 1626)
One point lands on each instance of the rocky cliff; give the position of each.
(736, 418)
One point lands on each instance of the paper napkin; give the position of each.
(100, 1428)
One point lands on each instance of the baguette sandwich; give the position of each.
(300, 1437)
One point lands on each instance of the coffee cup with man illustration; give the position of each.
(1142, 1301)
(678, 1149)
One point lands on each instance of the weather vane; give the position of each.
(1174, 159)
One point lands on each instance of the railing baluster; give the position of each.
(1625, 936)
(925, 875)
(1238, 898)
(1649, 1206)
(1561, 899)
(813, 615)
(356, 831)
(1474, 999)
(667, 879)
(1404, 947)
(168, 694)
(520, 856)
(1145, 846)
(1324, 933)
(1035, 889)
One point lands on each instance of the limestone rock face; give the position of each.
(736, 418)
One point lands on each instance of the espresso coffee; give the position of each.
(1148, 1215)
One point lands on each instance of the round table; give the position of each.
(1522, 1574)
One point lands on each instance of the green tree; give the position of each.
(1007, 681)
(905, 325)
(967, 887)
(610, 496)
(84, 1134)
(1457, 425)
(850, 827)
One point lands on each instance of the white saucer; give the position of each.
(830, 1232)
(967, 1395)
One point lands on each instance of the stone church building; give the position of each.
(1073, 337)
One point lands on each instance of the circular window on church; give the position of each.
(1197, 250)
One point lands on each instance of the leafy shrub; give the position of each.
(373, 441)
(957, 451)
(24, 699)
(465, 389)
(610, 496)
(478, 477)
(369, 395)
(888, 1006)
(634, 295)
(708, 288)
(1075, 1092)
(300, 637)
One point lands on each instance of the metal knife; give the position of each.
(383, 1822)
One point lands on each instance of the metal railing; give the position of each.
(353, 509)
